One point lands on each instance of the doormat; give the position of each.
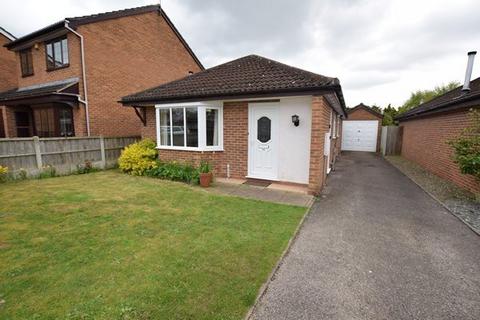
(258, 183)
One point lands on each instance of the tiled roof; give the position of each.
(37, 90)
(451, 100)
(250, 75)
(367, 108)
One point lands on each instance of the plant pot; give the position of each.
(205, 179)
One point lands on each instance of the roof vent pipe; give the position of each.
(468, 73)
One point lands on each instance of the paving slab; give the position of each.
(376, 246)
(293, 196)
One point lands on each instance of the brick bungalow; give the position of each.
(251, 118)
(428, 127)
(72, 73)
(362, 130)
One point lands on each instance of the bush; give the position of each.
(3, 173)
(175, 171)
(48, 171)
(138, 157)
(467, 147)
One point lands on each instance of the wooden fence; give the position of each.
(66, 155)
(391, 140)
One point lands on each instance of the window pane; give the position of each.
(66, 122)
(264, 129)
(192, 127)
(50, 63)
(178, 127)
(57, 49)
(165, 127)
(212, 127)
(26, 62)
(65, 51)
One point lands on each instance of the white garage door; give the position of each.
(359, 135)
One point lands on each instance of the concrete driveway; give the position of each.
(376, 247)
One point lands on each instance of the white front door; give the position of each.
(359, 135)
(263, 140)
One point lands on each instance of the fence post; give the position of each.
(102, 151)
(38, 154)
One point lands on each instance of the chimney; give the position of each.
(468, 73)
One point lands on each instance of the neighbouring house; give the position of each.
(428, 128)
(72, 73)
(250, 118)
(362, 130)
(8, 70)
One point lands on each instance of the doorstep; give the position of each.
(276, 192)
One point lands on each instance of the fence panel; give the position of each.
(391, 143)
(65, 154)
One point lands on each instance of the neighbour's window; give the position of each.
(22, 122)
(57, 54)
(54, 121)
(26, 62)
(189, 127)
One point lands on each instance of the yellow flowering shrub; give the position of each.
(3, 173)
(138, 157)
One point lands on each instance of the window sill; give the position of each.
(193, 149)
(27, 75)
(58, 68)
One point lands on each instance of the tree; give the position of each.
(389, 113)
(421, 96)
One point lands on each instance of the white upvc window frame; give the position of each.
(202, 125)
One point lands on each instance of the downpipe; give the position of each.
(84, 76)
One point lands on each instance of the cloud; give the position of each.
(380, 50)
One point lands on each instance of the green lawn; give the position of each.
(111, 246)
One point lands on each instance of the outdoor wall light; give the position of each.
(296, 120)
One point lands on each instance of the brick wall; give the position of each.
(320, 126)
(40, 73)
(8, 66)
(124, 56)
(235, 142)
(235, 119)
(424, 142)
(362, 114)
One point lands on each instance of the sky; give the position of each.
(380, 50)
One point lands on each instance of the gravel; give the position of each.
(460, 202)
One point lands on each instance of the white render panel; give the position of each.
(294, 142)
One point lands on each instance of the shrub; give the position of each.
(3, 173)
(138, 157)
(48, 171)
(175, 171)
(87, 167)
(205, 167)
(467, 147)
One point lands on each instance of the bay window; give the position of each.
(190, 126)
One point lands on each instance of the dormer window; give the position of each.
(57, 54)
(26, 63)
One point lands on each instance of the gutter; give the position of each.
(84, 76)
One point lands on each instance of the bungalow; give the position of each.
(428, 128)
(251, 118)
(71, 74)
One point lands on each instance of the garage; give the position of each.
(360, 135)
(361, 130)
